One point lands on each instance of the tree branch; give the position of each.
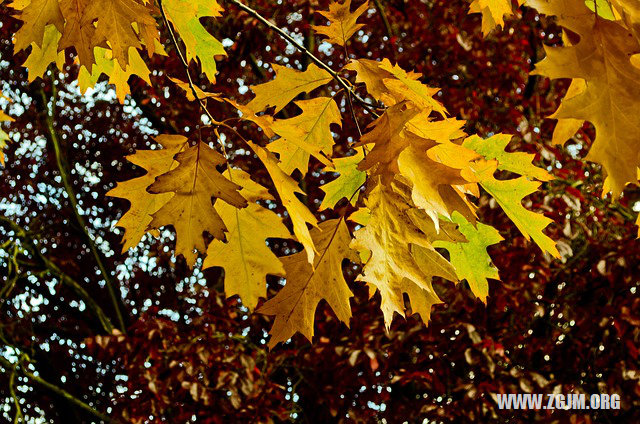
(385, 21)
(52, 268)
(344, 83)
(74, 205)
(9, 367)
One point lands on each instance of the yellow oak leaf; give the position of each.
(405, 85)
(114, 19)
(150, 36)
(245, 257)
(143, 204)
(455, 156)
(427, 177)
(391, 85)
(41, 57)
(493, 12)
(295, 304)
(251, 190)
(509, 195)
(347, 184)
(308, 133)
(611, 96)
(105, 64)
(442, 130)
(264, 121)
(402, 258)
(79, 31)
(185, 15)
(629, 10)
(4, 137)
(389, 139)
(287, 188)
(372, 74)
(287, 84)
(342, 22)
(470, 258)
(194, 182)
(567, 128)
(36, 15)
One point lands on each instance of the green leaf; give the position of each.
(509, 195)
(518, 162)
(185, 16)
(347, 183)
(470, 258)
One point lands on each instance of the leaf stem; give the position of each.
(344, 83)
(192, 85)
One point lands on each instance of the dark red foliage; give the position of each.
(570, 325)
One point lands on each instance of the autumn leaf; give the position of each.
(390, 84)
(518, 162)
(36, 15)
(402, 258)
(264, 121)
(493, 12)
(389, 139)
(470, 258)
(287, 84)
(442, 130)
(245, 257)
(405, 85)
(114, 19)
(629, 10)
(4, 137)
(287, 188)
(426, 177)
(188, 91)
(612, 86)
(347, 183)
(567, 128)
(306, 134)
(194, 182)
(371, 73)
(106, 65)
(295, 304)
(41, 57)
(79, 31)
(143, 204)
(185, 15)
(342, 22)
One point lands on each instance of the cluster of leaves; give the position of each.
(415, 166)
(400, 183)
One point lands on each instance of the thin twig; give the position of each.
(385, 21)
(185, 64)
(12, 390)
(344, 83)
(9, 367)
(74, 205)
(53, 269)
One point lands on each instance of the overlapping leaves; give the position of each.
(413, 175)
